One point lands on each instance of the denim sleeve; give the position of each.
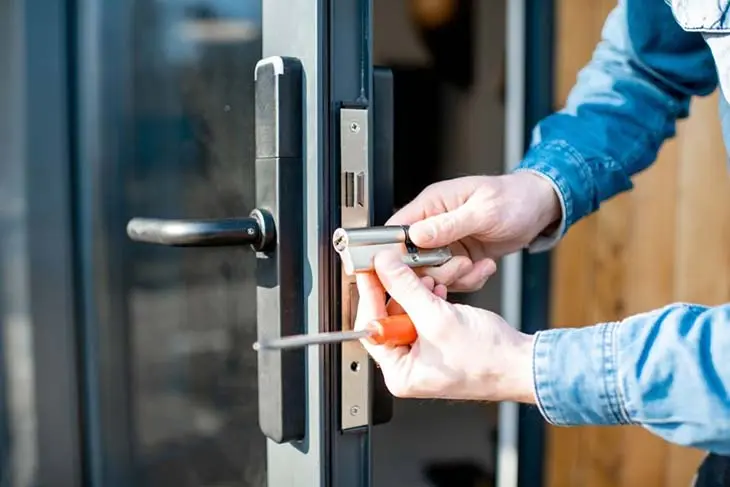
(667, 370)
(623, 107)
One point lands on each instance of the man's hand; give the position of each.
(481, 218)
(461, 352)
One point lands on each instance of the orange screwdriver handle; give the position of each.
(394, 330)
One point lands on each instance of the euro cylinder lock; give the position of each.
(357, 248)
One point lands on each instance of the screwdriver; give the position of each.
(393, 330)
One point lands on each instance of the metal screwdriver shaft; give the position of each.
(396, 330)
(297, 341)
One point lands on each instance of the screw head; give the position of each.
(354, 127)
(251, 231)
(354, 410)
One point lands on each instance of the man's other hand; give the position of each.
(481, 218)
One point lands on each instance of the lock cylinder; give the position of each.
(357, 248)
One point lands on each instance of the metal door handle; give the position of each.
(258, 231)
(275, 230)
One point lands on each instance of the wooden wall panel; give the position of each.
(667, 240)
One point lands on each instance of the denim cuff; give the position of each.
(576, 377)
(546, 242)
(564, 167)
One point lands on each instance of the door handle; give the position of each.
(275, 231)
(258, 231)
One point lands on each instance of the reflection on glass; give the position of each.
(17, 406)
(193, 311)
(17, 403)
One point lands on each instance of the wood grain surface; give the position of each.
(667, 240)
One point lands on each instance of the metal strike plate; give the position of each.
(357, 248)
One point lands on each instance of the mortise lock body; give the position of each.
(357, 248)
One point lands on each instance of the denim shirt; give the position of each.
(667, 370)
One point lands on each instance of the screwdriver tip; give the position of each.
(262, 346)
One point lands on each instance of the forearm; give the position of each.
(623, 107)
(667, 370)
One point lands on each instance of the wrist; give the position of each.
(516, 380)
(545, 200)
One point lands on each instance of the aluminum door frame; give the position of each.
(332, 39)
(42, 114)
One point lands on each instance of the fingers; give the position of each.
(371, 302)
(437, 198)
(405, 287)
(450, 272)
(445, 228)
(371, 306)
(393, 361)
(394, 308)
(440, 291)
(467, 271)
(477, 276)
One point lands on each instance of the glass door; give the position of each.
(188, 116)
(166, 130)
(127, 352)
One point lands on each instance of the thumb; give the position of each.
(445, 228)
(406, 287)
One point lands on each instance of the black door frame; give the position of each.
(536, 268)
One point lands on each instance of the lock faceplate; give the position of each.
(355, 370)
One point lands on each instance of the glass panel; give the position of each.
(187, 152)
(17, 406)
